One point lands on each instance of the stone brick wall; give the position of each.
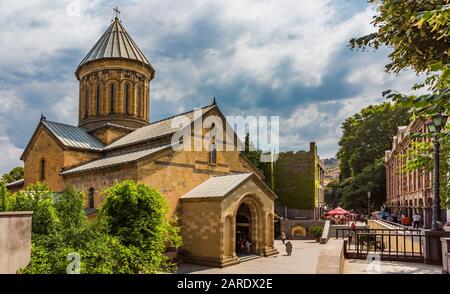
(295, 179)
(290, 225)
(209, 225)
(108, 135)
(44, 147)
(99, 180)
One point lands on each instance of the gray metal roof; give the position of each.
(114, 160)
(15, 183)
(72, 136)
(218, 186)
(115, 43)
(154, 130)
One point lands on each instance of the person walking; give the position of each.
(416, 220)
(283, 237)
(247, 247)
(288, 248)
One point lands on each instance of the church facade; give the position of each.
(217, 194)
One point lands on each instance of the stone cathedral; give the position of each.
(219, 196)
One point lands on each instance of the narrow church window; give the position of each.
(139, 101)
(91, 198)
(213, 152)
(86, 105)
(111, 99)
(97, 101)
(42, 171)
(127, 98)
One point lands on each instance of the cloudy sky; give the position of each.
(258, 57)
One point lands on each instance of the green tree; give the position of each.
(129, 236)
(254, 155)
(333, 193)
(365, 138)
(39, 199)
(14, 175)
(136, 215)
(418, 32)
(367, 135)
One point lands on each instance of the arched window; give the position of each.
(42, 170)
(91, 198)
(97, 101)
(127, 98)
(111, 99)
(86, 103)
(139, 101)
(213, 151)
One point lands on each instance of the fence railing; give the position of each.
(391, 244)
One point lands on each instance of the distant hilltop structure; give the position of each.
(332, 171)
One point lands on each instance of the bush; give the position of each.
(316, 232)
(136, 215)
(129, 235)
(4, 197)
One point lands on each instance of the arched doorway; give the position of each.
(243, 230)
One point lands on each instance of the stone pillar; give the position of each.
(433, 246)
(427, 219)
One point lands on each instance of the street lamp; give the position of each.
(435, 125)
(368, 203)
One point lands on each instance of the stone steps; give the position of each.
(249, 257)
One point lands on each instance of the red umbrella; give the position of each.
(338, 211)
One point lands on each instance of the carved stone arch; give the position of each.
(126, 98)
(257, 223)
(112, 96)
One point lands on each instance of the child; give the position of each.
(288, 248)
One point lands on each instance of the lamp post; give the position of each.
(435, 125)
(368, 204)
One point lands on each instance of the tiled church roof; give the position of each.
(72, 136)
(154, 130)
(115, 43)
(218, 186)
(115, 160)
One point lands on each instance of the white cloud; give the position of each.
(199, 48)
(10, 153)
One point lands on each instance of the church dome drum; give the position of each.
(114, 82)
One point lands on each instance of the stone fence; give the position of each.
(15, 241)
(296, 229)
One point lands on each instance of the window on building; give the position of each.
(91, 198)
(111, 99)
(97, 101)
(86, 103)
(139, 101)
(127, 98)
(213, 152)
(42, 169)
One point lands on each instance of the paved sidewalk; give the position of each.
(302, 261)
(361, 266)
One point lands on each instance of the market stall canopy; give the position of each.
(338, 211)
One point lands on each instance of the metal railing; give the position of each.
(391, 244)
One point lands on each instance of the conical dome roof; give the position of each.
(115, 43)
